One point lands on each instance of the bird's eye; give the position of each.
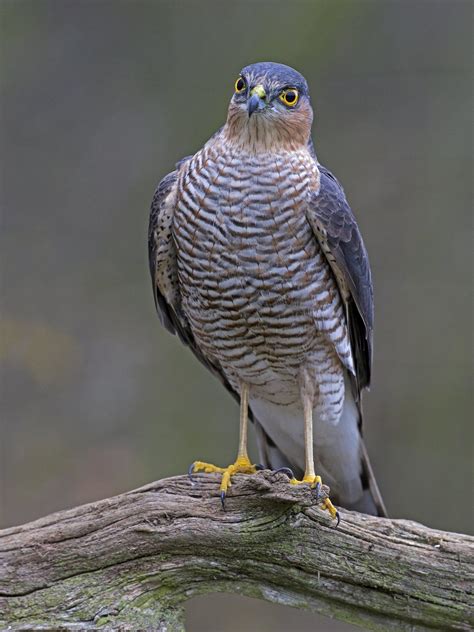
(240, 85)
(289, 97)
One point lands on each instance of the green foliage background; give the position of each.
(98, 101)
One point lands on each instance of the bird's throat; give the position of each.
(264, 132)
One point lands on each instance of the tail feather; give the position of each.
(369, 483)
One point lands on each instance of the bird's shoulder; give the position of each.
(163, 200)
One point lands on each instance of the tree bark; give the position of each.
(130, 562)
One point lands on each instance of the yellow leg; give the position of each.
(244, 420)
(309, 474)
(242, 463)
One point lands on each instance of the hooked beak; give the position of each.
(257, 100)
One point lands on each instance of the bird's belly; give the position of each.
(251, 276)
(258, 335)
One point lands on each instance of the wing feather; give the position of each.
(164, 271)
(338, 234)
(336, 229)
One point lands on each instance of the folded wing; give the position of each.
(164, 271)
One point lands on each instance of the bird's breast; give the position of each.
(244, 215)
(250, 269)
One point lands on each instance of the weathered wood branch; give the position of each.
(130, 562)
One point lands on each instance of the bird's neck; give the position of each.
(263, 133)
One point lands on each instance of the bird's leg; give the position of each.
(309, 474)
(242, 463)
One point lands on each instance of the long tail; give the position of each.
(371, 489)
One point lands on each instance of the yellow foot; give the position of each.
(316, 482)
(241, 466)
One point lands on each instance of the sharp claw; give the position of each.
(259, 467)
(285, 470)
(338, 519)
(317, 490)
(190, 473)
(223, 500)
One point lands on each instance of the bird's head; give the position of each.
(270, 108)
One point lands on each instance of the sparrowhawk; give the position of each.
(258, 265)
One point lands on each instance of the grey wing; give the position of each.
(162, 254)
(164, 270)
(336, 229)
(338, 234)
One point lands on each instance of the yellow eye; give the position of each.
(240, 85)
(289, 97)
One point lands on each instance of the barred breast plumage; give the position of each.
(255, 286)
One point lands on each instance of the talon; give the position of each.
(308, 478)
(317, 490)
(332, 510)
(316, 483)
(191, 472)
(287, 471)
(259, 467)
(242, 465)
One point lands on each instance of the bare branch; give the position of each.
(130, 562)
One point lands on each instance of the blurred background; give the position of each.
(98, 101)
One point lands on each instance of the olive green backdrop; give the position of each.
(98, 101)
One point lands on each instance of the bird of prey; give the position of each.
(258, 266)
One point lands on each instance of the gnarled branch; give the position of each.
(130, 562)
